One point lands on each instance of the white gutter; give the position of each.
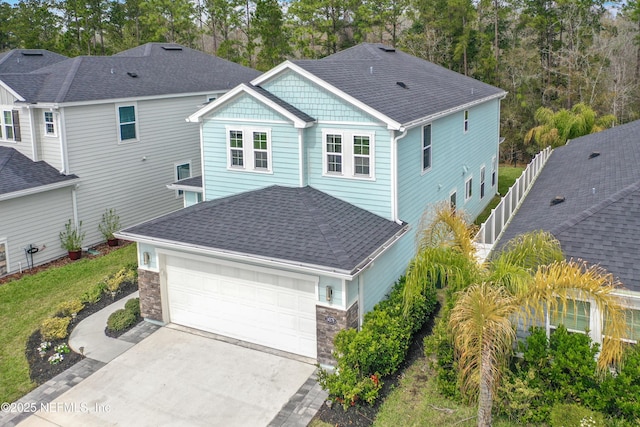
(267, 261)
(191, 188)
(394, 175)
(444, 113)
(121, 100)
(40, 189)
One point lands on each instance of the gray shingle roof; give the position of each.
(27, 60)
(290, 108)
(148, 70)
(18, 172)
(301, 226)
(194, 181)
(599, 221)
(370, 74)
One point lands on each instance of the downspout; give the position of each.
(34, 146)
(74, 204)
(360, 300)
(300, 157)
(204, 192)
(394, 176)
(64, 156)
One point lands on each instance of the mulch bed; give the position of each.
(40, 370)
(364, 415)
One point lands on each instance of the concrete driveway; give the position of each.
(176, 378)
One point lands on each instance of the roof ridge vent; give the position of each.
(32, 54)
(130, 74)
(387, 48)
(172, 48)
(556, 200)
(594, 154)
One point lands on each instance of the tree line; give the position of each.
(545, 53)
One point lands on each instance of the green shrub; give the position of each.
(621, 392)
(68, 308)
(94, 294)
(54, 328)
(378, 349)
(124, 275)
(133, 306)
(120, 319)
(573, 415)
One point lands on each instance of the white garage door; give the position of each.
(256, 306)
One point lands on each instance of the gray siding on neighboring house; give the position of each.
(48, 146)
(130, 177)
(29, 220)
(24, 145)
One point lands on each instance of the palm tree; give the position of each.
(526, 280)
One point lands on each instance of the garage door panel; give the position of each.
(266, 309)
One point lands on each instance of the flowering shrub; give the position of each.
(56, 358)
(43, 347)
(62, 348)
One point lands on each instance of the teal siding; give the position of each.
(456, 156)
(219, 181)
(372, 195)
(336, 298)
(314, 100)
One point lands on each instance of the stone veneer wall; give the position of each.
(329, 321)
(150, 297)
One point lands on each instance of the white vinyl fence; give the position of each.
(492, 228)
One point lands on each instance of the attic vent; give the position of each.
(134, 75)
(556, 200)
(402, 85)
(387, 48)
(32, 53)
(176, 48)
(594, 154)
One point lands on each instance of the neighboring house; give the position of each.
(315, 177)
(588, 196)
(116, 124)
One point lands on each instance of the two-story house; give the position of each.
(315, 177)
(115, 125)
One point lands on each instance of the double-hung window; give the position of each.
(426, 148)
(333, 145)
(348, 154)
(127, 123)
(49, 124)
(182, 171)
(9, 125)
(361, 155)
(575, 316)
(249, 149)
(494, 165)
(482, 174)
(260, 150)
(466, 121)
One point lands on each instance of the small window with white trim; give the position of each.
(482, 174)
(49, 124)
(576, 317)
(453, 200)
(494, 167)
(333, 147)
(9, 125)
(127, 123)
(468, 189)
(426, 148)
(182, 171)
(249, 149)
(361, 155)
(466, 121)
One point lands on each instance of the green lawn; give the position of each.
(507, 175)
(26, 302)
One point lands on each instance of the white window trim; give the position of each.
(494, 171)
(468, 188)
(3, 134)
(422, 147)
(348, 156)
(483, 178)
(54, 122)
(247, 149)
(137, 113)
(465, 117)
(175, 174)
(451, 193)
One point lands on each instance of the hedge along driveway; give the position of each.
(25, 303)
